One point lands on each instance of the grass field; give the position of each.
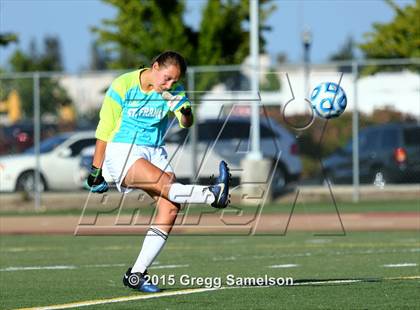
(307, 207)
(67, 269)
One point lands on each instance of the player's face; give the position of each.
(165, 77)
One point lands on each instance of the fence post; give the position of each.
(355, 125)
(194, 128)
(37, 135)
(255, 153)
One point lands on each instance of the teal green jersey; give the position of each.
(131, 115)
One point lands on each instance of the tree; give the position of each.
(398, 39)
(224, 37)
(8, 37)
(345, 52)
(143, 29)
(270, 82)
(51, 60)
(99, 58)
(52, 94)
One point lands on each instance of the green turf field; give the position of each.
(90, 268)
(285, 207)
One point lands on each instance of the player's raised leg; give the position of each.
(144, 175)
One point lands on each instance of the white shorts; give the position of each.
(119, 157)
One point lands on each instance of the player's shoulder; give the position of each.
(127, 79)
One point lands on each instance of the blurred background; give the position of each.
(57, 60)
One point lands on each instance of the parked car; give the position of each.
(218, 140)
(18, 137)
(390, 152)
(59, 164)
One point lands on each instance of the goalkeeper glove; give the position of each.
(186, 111)
(174, 102)
(96, 181)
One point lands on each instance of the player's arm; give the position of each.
(185, 116)
(95, 181)
(99, 154)
(109, 118)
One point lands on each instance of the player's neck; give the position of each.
(145, 80)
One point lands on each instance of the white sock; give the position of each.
(181, 193)
(153, 243)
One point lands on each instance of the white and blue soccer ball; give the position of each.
(328, 100)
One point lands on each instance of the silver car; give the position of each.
(228, 139)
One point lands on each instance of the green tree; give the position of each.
(398, 39)
(345, 52)
(52, 94)
(8, 37)
(224, 31)
(224, 36)
(142, 29)
(50, 60)
(99, 58)
(270, 82)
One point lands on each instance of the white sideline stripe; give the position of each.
(283, 266)
(122, 299)
(192, 291)
(37, 268)
(13, 268)
(400, 265)
(354, 280)
(168, 266)
(329, 282)
(104, 265)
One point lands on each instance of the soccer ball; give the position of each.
(328, 100)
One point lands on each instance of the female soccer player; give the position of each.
(130, 139)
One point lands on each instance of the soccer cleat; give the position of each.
(137, 281)
(221, 189)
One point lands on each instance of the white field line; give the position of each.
(69, 267)
(329, 282)
(306, 254)
(38, 268)
(122, 299)
(400, 265)
(284, 266)
(104, 265)
(193, 291)
(347, 281)
(168, 266)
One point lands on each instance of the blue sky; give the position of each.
(331, 22)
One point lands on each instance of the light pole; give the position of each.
(255, 80)
(255, 168)
(307, 41)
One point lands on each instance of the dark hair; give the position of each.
(171, 58)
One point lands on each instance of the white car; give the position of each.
(59, 164)
(218, 140)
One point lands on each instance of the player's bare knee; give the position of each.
(170, 206)
(164, 184)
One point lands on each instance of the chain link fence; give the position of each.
(376, 140)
